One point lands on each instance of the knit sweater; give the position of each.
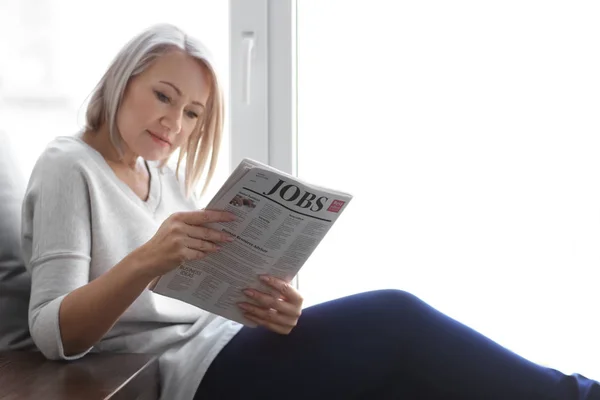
(79, 220)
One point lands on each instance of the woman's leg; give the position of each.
(382, 344)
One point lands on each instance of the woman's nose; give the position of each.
(172, 121)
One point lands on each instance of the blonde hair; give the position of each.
(202, 146)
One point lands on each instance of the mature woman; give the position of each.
(104, 216)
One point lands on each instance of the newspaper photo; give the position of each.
(280, 221)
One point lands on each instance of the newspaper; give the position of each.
(280, 221)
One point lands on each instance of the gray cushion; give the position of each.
(14, 279)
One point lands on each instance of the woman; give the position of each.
(103, 217)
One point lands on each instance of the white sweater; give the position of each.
(79, 220)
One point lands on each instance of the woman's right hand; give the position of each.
(183, 237)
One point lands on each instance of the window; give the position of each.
(468, 133)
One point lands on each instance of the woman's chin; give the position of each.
(153, 155)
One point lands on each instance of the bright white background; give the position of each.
(469, 133)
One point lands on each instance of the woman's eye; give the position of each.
(162, 97)
(192, 115)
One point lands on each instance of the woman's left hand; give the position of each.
(278, 314)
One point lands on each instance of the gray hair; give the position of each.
(202, 147)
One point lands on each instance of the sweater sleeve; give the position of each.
(56, 245)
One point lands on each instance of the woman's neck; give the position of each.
(100, 141)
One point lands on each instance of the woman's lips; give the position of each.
(159, 140)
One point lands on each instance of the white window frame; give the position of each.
(262, 97)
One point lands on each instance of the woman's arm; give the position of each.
(89, 312)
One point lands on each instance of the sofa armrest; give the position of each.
(28, 375)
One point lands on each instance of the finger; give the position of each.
(207, 234)
(192, 254)
(270, 315)
(152, 284)
(200, 245)
(268, 301)
(283, 287)
(201, 217)
(284, 330)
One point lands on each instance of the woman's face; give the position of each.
(162, 105)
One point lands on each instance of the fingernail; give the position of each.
(230, 239)
(243, 306)
(249, 293)
(264, 278)
(232, 217)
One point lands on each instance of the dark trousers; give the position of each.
(384, 344)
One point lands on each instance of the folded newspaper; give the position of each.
(280, 221)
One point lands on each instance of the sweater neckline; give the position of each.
(154, 192)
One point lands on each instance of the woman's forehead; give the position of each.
(188, 75)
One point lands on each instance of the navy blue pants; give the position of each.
(381, 345)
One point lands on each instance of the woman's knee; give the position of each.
(401, 296)
(375, 306)
(394, 299)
